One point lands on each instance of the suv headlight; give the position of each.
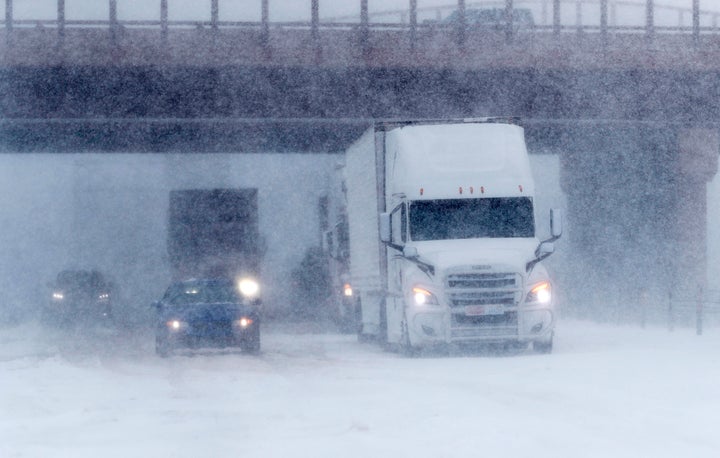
(540, 292)
(176, 325)
(422, 296)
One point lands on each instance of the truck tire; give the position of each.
(406, 348)
(543, 347)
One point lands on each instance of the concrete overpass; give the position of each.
(633, 111)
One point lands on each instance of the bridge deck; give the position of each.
(334, 48)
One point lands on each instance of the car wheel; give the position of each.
(252, 344)
(163, 348)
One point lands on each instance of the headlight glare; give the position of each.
(541, 293)
(422, 296)
(176, 325)
(249, 287)
(243, 322)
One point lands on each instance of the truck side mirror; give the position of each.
(556, 222)
(410, 252)
(546, 249)
(385, 228)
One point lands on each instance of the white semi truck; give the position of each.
(443, 245)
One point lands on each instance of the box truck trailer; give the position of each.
(442, 236)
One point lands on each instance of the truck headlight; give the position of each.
(58, 296)
(541, 293)
(421, 296)
(249, 287)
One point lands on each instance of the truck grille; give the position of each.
(483, 304)
(486, 288)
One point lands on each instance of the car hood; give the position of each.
(205, 312)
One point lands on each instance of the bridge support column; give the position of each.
(636, 216)
(697, 164)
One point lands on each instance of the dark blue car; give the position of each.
(208, 313)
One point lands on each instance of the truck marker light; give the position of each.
(460, 189)
(471, 190)
(482, 189)
(520, 187)
(347, 290)
(421, 191)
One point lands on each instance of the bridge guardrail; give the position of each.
(605, 18)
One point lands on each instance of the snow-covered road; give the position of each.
(605, 392)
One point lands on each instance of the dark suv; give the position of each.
(79, 296)
(208, 313)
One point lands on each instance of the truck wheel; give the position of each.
(543, 347)
(406, 348)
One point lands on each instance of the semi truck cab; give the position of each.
(460, 261)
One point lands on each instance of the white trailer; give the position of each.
(443, 247)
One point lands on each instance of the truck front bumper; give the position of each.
(525, 324)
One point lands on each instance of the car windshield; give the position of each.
(471, 218)
(79, 279)
(201, 293)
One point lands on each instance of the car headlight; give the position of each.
(541, 293)
(243, 322)
(176, 325)
(249, 287)
(421, 296)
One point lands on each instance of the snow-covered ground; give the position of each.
(605, 392)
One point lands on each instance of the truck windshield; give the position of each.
(471, 218)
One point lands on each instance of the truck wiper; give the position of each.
(429, 269)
